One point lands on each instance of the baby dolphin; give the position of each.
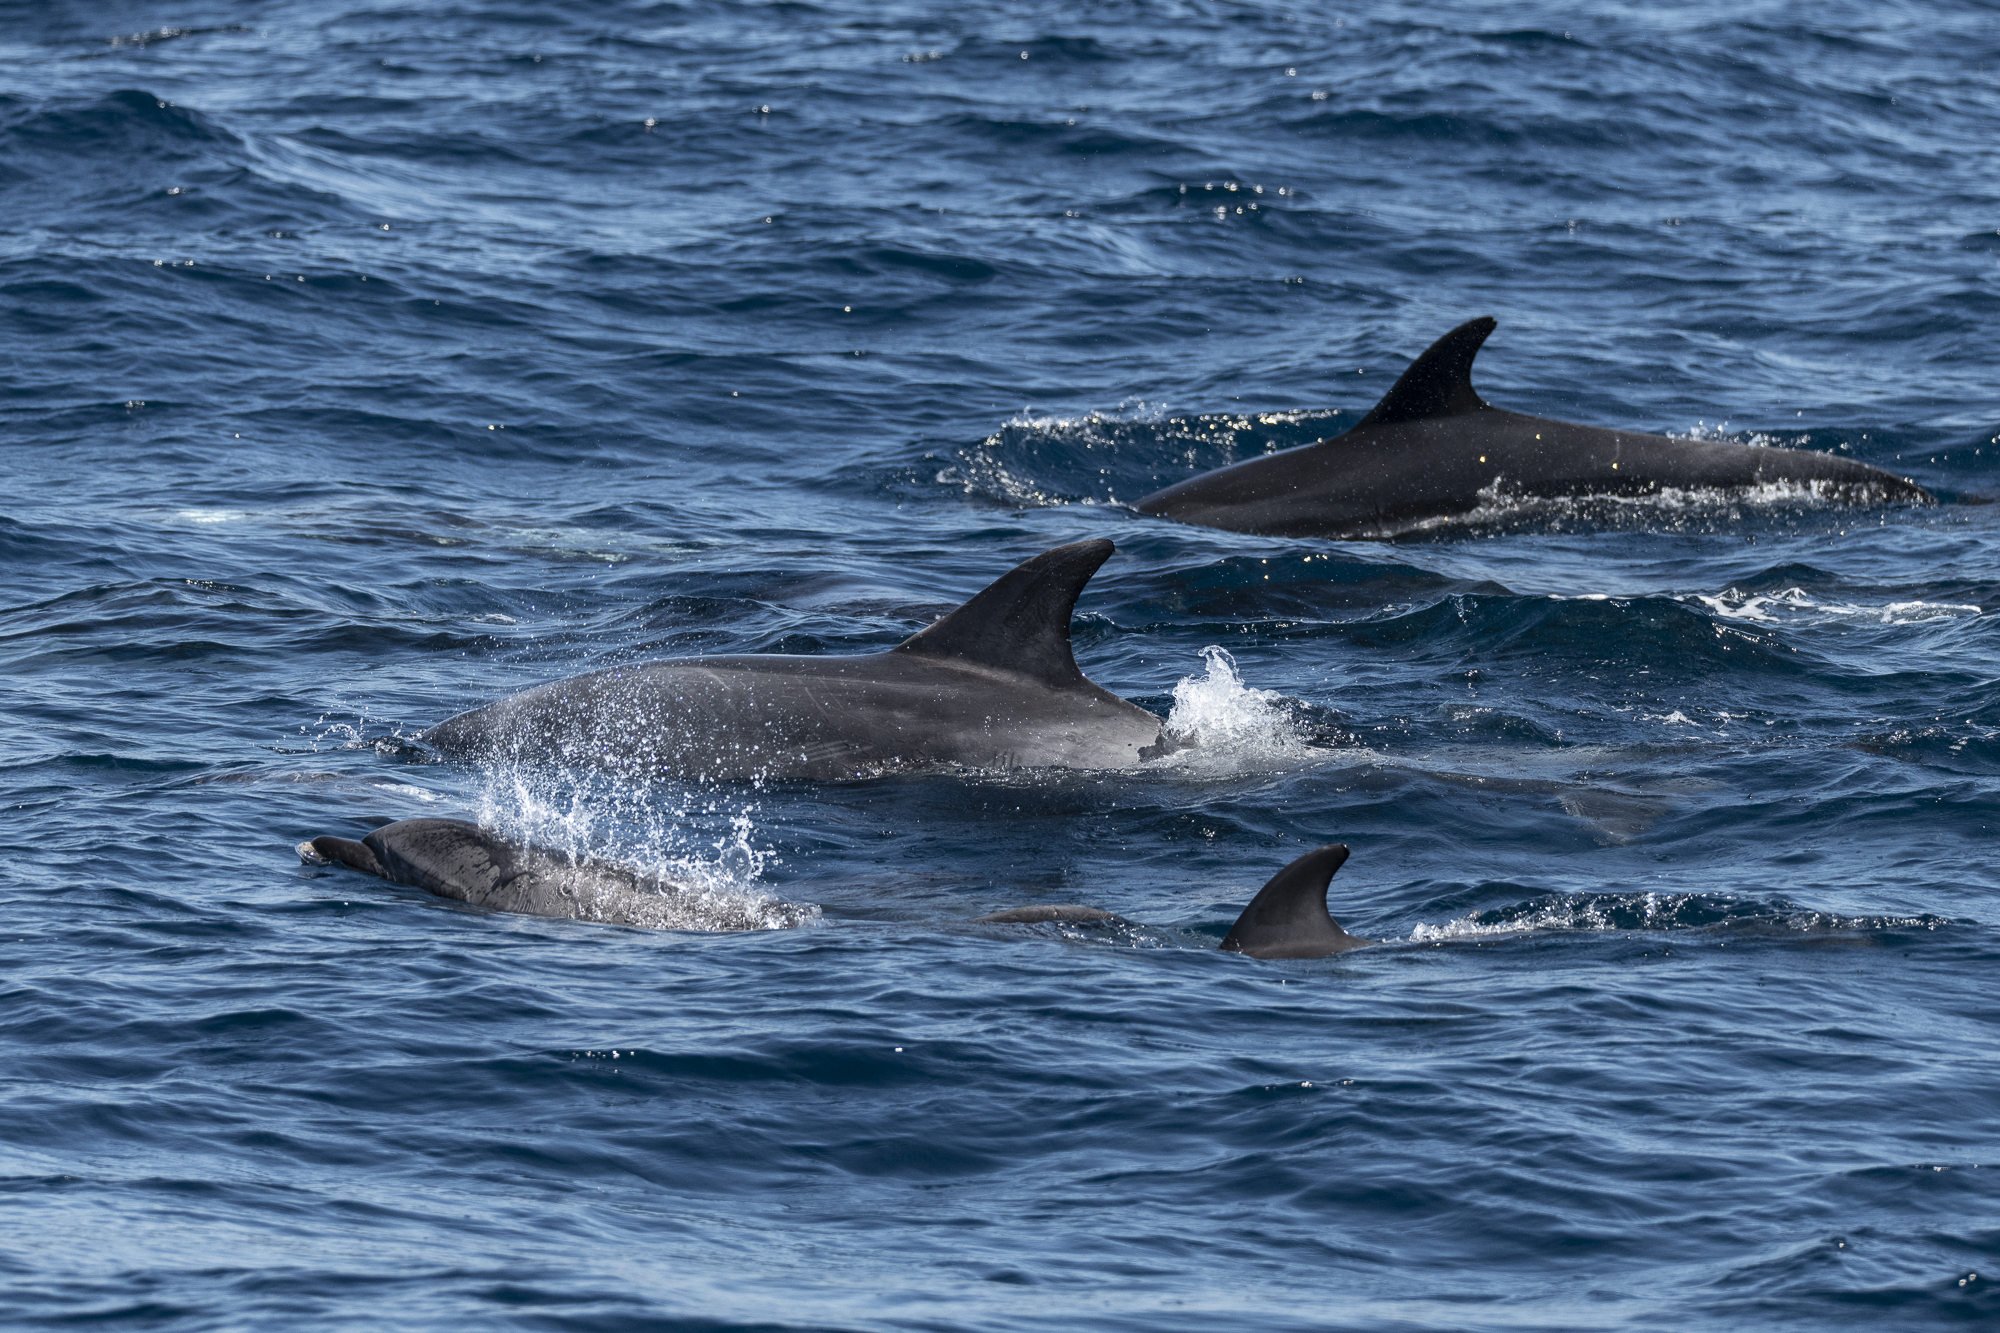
(454, 859)
(1434, 449)
(991, 685)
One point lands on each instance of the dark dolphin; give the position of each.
(1434, 449)
(455, 859)
(1287, 918)
(991, 685)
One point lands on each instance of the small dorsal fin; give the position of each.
(1021, 622)
(1438, 383)
(1288, 917)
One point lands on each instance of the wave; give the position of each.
(1654, 912)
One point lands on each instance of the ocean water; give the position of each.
(366, 361)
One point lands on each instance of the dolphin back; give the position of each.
(1020, 622)
(1438, 383)
(1288, 917)
(448, 857)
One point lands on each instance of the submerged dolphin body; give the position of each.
(991, 685)
(454, 859)
(1433, 449)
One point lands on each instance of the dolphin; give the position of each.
(1434, 449)
(455, 859)
(991, 685)
(1287, 918)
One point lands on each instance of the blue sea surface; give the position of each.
(365, 361)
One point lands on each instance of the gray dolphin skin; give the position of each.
(991, 685)
(1288, 917)
(1433, 449)
(454, 859)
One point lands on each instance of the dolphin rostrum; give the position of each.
(454, 859)
(991, 685)
(1433, 449)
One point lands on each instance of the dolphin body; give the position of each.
(455, 859)
(459, 860)
(1434, 449)
(991, 685)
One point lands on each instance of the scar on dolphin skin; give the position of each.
(993, 684)
(1433, 449)
(455, 859)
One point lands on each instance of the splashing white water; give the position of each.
(1224, 722)
(705, 877)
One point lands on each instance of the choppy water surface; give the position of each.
(364, 363)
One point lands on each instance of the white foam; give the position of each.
(1654, 911)
(1797, 606)
(405, 789)
(1674, 508)
(1232, 726)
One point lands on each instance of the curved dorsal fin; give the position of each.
(1021, 622)
(1438, 383)
(1288, 917)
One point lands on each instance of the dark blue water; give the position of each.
(365, 362)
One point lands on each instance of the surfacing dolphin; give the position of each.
(459, 860)
(991, 685)
(1287, 918)
(1433, 449)
(455, 859)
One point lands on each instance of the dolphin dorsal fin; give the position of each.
(1021, 622)
(1288, 917)
(1438, 383)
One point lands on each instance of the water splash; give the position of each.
(1655, 912)
(670, 859)
(1228, 724)
(1502, 507)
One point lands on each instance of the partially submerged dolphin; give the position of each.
(456, 859)
(991, 685)
(1287, 918)
(1434, 449)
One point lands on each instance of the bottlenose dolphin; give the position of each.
(1287, 918)
(454, 859)
(991, 685)
(1434, 449)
